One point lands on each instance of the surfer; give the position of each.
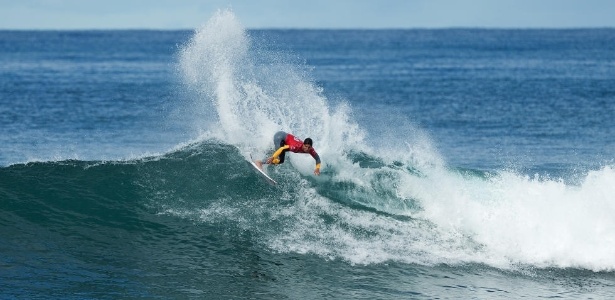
(288, 142)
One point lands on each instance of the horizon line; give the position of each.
(315, 28)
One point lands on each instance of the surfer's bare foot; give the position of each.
(259, 164)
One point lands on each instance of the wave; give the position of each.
(377, 200)
(377, 214)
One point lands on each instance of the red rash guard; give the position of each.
(295, 145)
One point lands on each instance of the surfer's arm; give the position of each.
(274, 158)
(317, 159)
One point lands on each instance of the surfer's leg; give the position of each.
(278, 139)
(282, 156)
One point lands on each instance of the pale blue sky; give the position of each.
(189, 14)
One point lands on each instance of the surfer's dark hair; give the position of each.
(308, 141)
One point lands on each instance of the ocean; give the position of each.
(457, 163)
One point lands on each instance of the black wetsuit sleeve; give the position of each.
(315, 156)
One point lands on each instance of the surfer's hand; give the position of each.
(317, 171)
(269, 160)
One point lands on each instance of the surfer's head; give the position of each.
(307, 144)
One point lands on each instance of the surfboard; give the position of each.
(261, 172)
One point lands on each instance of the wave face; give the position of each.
(378, 214)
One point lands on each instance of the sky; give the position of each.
(334, 14)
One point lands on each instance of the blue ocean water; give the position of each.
(457, 163)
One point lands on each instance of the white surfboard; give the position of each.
(261, 172)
